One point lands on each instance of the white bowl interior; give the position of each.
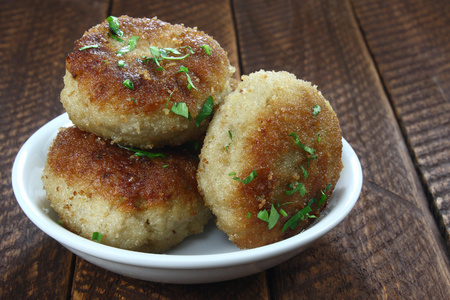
(206, 257)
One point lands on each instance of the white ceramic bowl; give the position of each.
(207, 257)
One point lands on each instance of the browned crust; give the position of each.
(271, 146)
(132, 183)
(97, 73)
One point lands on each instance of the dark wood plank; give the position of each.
(94, 283)
(35, 39)
(410, 43)
(389, 246)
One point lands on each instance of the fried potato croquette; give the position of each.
(270, 159)
(135, 202)
(144, 83)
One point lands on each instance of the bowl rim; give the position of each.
(176, 261)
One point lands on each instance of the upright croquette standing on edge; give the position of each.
(270, 159)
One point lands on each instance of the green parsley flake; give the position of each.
(316, 110)
(121, 63)
(263, 215)
(160, 54)
(88, 47)
(181, 109)
(206, 111)
(190, 49)
(114, 25)
(296, 187)
(185, 70)
(231, 138)
(273, 217)
(293, 221)
(246, 180)
(249, 214)
(323, 198)
(170, 96)
(139, 152)
(116, 37)
(305, 173)
(96, 236)
(318, 138)
(304, 147)
(131, 45)
(207, 49)
(128, 83)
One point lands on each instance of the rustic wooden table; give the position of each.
(383, 65)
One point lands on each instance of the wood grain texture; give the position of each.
(213, 17)
(92, 282)
(384, 66)
(367, 254)
(35, 39)
(410, 43)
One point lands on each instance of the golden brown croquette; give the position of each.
(135, 202)
(147, 86)
(271, 156)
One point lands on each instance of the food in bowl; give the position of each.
(271, 159)
(140, 82)
(133, 199)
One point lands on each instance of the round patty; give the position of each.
(137, 91)
(135, 202)
(270, 159)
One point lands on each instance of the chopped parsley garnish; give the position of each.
(88, 47)
(316, 110)
(128, 83)
(318, 138)
(116, 37)
(139, 152)
(305, 173)
(190, 49)
(296, 187)
(181, 109)
(160, 54)
(114, 26)
(121, 63)
(185, 70)
(271, 218)
(304, 147)
(96, 236)
(206, 111)
(249, 214)
(131, 44)
(207, 49)
(323, 198)
(263, 215)
(231, 138)
(246, 180)
(300, 216)
(132, 99)
(170, 96)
